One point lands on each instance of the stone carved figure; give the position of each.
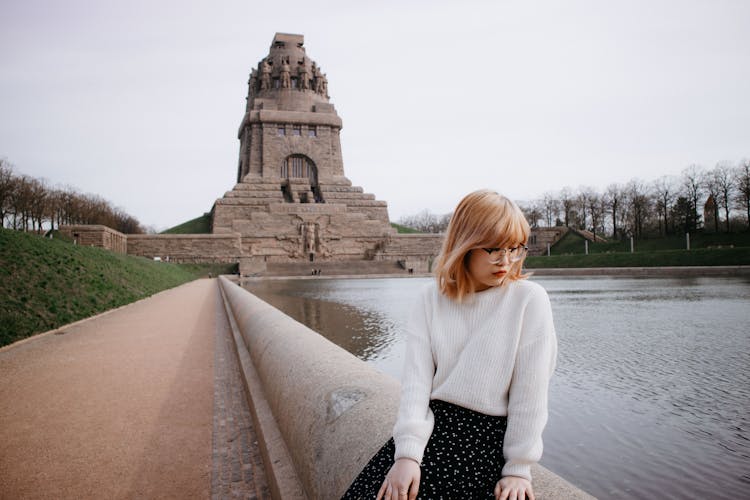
(303, 76)
(317, 80)
(310, 236)
(285, 75)
(265, 75)
(324, 85)
(253, 81)
(315, 74)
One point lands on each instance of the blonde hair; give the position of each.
(483, 219)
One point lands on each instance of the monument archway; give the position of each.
(298, 168)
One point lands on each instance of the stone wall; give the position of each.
(415, 252)
(542, 236)
(97, 236)
(187, 248)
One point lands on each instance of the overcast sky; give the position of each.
(140, 101)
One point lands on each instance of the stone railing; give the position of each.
(320, 412)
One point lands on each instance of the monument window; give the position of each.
(279, 45)
(296, 166)
(282, 130)
(312, 131)
(299, 167)
(297, 130)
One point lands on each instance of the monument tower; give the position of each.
(292, 201)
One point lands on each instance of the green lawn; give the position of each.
(699, 257)
(199, 225)
(403, 229)
(48, 283)
(572, 243)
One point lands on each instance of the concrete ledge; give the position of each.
(283, 480)
(332, 410)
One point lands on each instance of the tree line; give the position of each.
(716, 199)
(31, 204)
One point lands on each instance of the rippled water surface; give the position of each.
(652, 389)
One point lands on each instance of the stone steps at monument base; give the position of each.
(355, 267)
(248, 200)
(354, 195)
(333, 188)
(275, 183)
(364, 203)
(259, 193)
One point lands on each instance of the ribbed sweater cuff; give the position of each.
(520, 470)
(409, 448)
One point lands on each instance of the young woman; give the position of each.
(481, 348)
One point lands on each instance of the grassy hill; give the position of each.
(199, 225)
(48, 283)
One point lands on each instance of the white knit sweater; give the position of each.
(494, 353)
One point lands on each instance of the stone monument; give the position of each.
(292, 201)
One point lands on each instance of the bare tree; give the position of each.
(581, 206)
(533, 213)
(596, 212)
(614, 202)
(18, 202)
(742, 181)
(426, 222)
(551, 208)
(28, 203)
(693, 189)
(664, 191)
(6, 188)
(567, 202)
(708, 180)
(638, 204)
(723, 180)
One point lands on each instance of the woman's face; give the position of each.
(484, 274)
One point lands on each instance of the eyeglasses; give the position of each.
(515, 254)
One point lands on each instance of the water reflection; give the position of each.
(652, 373)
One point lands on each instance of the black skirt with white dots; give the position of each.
(463, 458)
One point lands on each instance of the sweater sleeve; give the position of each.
(415, 419)
(527, 402)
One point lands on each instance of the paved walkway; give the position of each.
(138, 403)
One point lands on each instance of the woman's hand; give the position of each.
(514, 488)
(402, 481)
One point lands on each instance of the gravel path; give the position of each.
(123, 406)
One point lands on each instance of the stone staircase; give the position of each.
(589, 235)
